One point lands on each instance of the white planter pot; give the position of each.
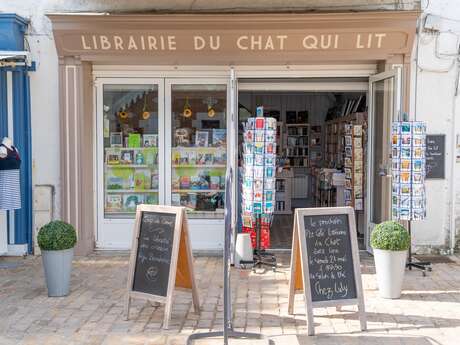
(389, 266)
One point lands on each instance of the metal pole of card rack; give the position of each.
(227, 331)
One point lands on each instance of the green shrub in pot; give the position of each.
(390, 241)
(57, 235)
(390, 235)
(56, 241)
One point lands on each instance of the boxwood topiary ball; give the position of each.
(390, 235)
(57, 235)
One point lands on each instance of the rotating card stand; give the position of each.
(408, 195)
(228, 331)
(261, 257)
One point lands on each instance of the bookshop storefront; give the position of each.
(149, 110)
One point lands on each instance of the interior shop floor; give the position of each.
(426, 314)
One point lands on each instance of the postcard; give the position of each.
(347, 194)
(268, 207)
(258, 196)
(405, 189)
(405, 152)
(395, 140)
(270, 136)
(358, 179)
(258, 185)
(268, 195)
(418, 165)
(406, 140)
(419, 152)
(358, 154)
(395, 212)
(404, 213)
(404, 201)
(395, 152)
(417, 177)
(357, 130)
(418, 202)
(258, 172)
(405, 164)
(270, 123)
(348, 174)
(247, 220)
(114, 202)
(419, 127)
(359, 205)
(396, 176)
(348, 151)
(395, 165)
(418, 214)
(150, 140)
(249, 135)
(405, 127)
(259, 147)
(395, 128)
(250, 124)
(418, 140)
(127, 157)
(130, 201)
(348, 162)
(270, 160)
(269, 172)
(418, 190)
(219, 137)
(201, 138)
(395, 188)
(348, 184)
(260, 122)
(270, 148)
(270, 184)
(259, 135)
(348, 141)
(358, 191)
(257, 207)
(259, 159)
(395, 200)
(116, 139)
(357, 142)
(348, 129)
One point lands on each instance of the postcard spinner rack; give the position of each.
(259, 163)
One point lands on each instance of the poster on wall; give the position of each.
(408, 151)
(259, 170)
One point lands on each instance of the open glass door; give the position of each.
(384, 108)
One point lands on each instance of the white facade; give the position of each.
(433, 89)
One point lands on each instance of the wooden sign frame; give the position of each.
(181, 274)
(299, 280)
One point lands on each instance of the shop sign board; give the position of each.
(161, 257)
(219, 39)
(325, 261)
(435, 156)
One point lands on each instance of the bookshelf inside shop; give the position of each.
(319, 164)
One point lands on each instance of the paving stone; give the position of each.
(92, 314)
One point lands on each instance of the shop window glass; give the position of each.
(130, 131)
(199, 149)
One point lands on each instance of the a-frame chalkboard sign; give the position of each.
(161, 257)
(325, 261)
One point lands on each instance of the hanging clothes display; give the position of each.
(10, 190)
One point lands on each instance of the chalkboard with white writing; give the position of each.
(330, 257)
(435, 156)
(154, 253)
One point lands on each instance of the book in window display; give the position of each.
(127, 157)
(150, 140)
(134, 140)
(114, 202)
(130, 201)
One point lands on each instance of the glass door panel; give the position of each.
(384, 108)
(131, 148)
(199, 148)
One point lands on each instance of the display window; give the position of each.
(199, 148)
(131, 156)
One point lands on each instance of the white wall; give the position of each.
(434, 80)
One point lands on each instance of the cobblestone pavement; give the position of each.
(427, 313)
